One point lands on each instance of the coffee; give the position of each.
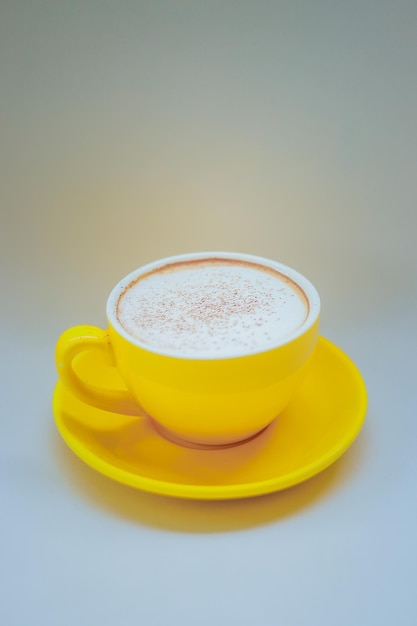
(212, 307)
(175, 328)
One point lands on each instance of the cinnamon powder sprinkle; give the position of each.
(212, 307)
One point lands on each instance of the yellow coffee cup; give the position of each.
(212, 346)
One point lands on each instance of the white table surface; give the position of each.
(136, 130)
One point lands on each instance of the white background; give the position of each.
(134, 130)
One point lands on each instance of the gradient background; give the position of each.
(134, 130)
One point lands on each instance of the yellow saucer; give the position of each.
(320, 424)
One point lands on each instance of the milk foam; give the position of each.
(212, 307)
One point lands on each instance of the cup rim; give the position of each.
(304, 283)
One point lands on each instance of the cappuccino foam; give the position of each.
(212, 308)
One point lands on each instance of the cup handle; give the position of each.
(80, 339)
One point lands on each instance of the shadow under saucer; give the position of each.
(181, 515)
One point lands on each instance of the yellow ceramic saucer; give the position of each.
(315, 430)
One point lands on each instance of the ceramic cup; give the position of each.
(204, 396)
